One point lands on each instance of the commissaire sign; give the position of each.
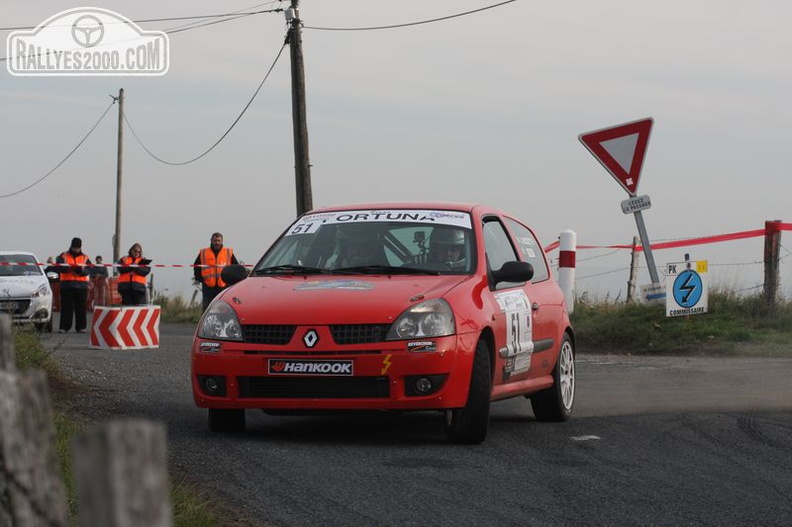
(686, 288)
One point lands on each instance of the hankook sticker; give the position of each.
(339, 368)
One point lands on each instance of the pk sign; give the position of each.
(686, 292)
(621, 150)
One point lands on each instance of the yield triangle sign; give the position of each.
(621, 150)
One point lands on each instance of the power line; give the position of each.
(734, 264)
(226, 15)
(209, 23)
(175, 163)
(191, 25)
(45, 176)
(599, 256)
(603, 273)
(394, 26)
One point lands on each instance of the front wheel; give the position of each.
(468, 425)
(221, 420)
(555, 403)
(44, 327)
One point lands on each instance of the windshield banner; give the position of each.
(311, 222)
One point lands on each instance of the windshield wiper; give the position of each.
(383, 269)
(289, 269)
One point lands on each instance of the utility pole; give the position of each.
(119, 166)
(302, 164)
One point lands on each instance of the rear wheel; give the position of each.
(221, 420)
(555, 403)
(468, 425)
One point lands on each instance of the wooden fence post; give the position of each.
(121, 476)
(7, 364)
(633, 281)
(772, 259)
(7, 355)
(31, 489)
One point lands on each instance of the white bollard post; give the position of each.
(567, 248)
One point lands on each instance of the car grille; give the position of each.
(14, 306)
(343, 334)
(268, 334)
(314, 387)
(359, 333)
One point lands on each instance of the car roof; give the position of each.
(9, 253)
(430, 205)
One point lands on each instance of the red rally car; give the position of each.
(390, 306)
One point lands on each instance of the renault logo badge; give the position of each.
(311, 338)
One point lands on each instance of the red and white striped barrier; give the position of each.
(133, 327)
(567, 242)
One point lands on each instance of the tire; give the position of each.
(44, 327)
(230, 421)
(555, 403)
(468, 425)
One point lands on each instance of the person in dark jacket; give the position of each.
(132, 272)
(208, 266)
(73, 268)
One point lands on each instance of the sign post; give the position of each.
(621, 150)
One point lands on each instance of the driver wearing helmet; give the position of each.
(357, 245)
(448, 247)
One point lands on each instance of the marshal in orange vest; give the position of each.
(214, 265)
(131, 276)
(72, 260)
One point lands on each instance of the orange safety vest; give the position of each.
(132, 276)
(211, 274)
(69, 259)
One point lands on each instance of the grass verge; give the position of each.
(177, 310)
(734, 325)
(190, 506)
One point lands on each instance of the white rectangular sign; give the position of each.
(636, 203)
(653, 293)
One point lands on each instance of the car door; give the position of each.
(546, 299)
(517, 321)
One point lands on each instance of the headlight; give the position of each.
(220, 322)
(432, 318)
(42, 290)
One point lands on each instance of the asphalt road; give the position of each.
(653, 441)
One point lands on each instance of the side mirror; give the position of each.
(52, 277)
(513, 272)
(232, 274)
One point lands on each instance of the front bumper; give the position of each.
(28, 309)
(381, 376)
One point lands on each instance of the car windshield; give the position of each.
(375, 242)
(9, 265)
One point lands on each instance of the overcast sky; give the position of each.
(486, 107)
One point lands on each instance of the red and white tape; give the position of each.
(39, 264)
(770, 228)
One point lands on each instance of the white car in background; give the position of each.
(25, 292)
